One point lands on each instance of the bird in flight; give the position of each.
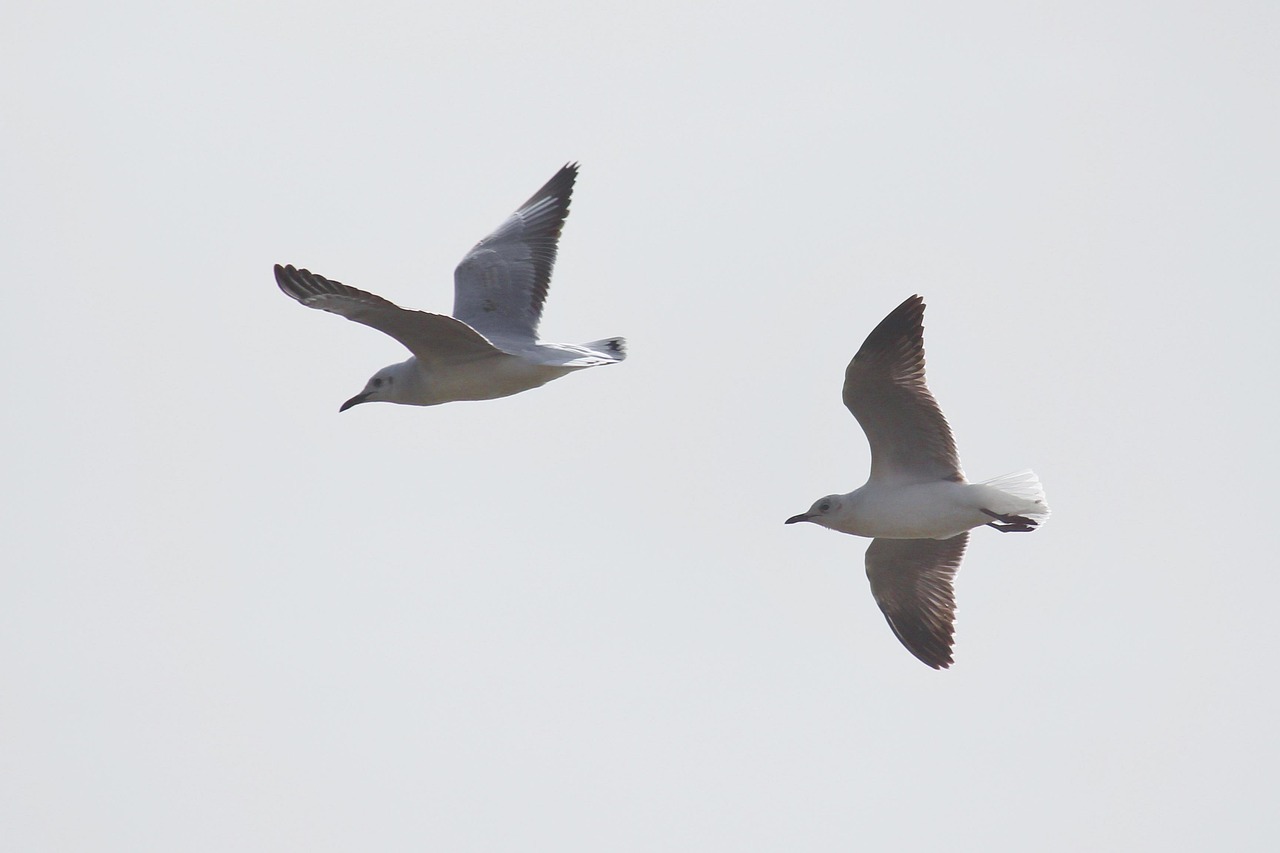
(916, 506)
(489, 348)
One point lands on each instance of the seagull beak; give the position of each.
(804, 516)
(355, 401)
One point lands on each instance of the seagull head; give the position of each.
(821, 512)
(382, 386)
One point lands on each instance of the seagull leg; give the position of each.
(1010, 523)
(1011, 528)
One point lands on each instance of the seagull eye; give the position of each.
(377, 383)
(824, 506)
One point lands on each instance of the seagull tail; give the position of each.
(614, 349)
(1025, 493)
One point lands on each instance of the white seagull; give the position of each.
(489, 347)
(916, 506)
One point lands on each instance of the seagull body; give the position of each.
(916, 505)
(937, 510)
(489, 347)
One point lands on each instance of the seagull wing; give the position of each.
(500, 286)
(911, 580)
(433, 338)
(884, 388)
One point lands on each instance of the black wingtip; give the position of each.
(561, 183)
(296, 283)
(932, 650)
(932, 659)
(903, 324)
(938, 661)
(911, 310)
(284, 276)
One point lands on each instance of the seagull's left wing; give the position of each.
(501, 285)
(433, 338)
(911, 580)
(884, 388)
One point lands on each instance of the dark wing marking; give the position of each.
(885, 390)
(432, 338)
(912, 581)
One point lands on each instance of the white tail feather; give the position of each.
(1024, 486)
(614, 349)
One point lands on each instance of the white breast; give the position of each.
(937, 510)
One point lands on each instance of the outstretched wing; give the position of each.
(912, 581)
(501, 285)
(885, 390)
(433, 338)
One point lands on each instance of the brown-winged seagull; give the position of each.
(489, 347)
(916, 506)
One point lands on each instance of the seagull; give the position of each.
(916, 507)
(489, 348)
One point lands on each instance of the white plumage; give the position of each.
(916, 504)
(489, 347)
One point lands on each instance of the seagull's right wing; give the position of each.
(884, 388)
(500, 286)
(911, 580)
(433, 338)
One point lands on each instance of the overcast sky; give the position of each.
(573, 620)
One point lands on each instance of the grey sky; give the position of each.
(231, 619)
